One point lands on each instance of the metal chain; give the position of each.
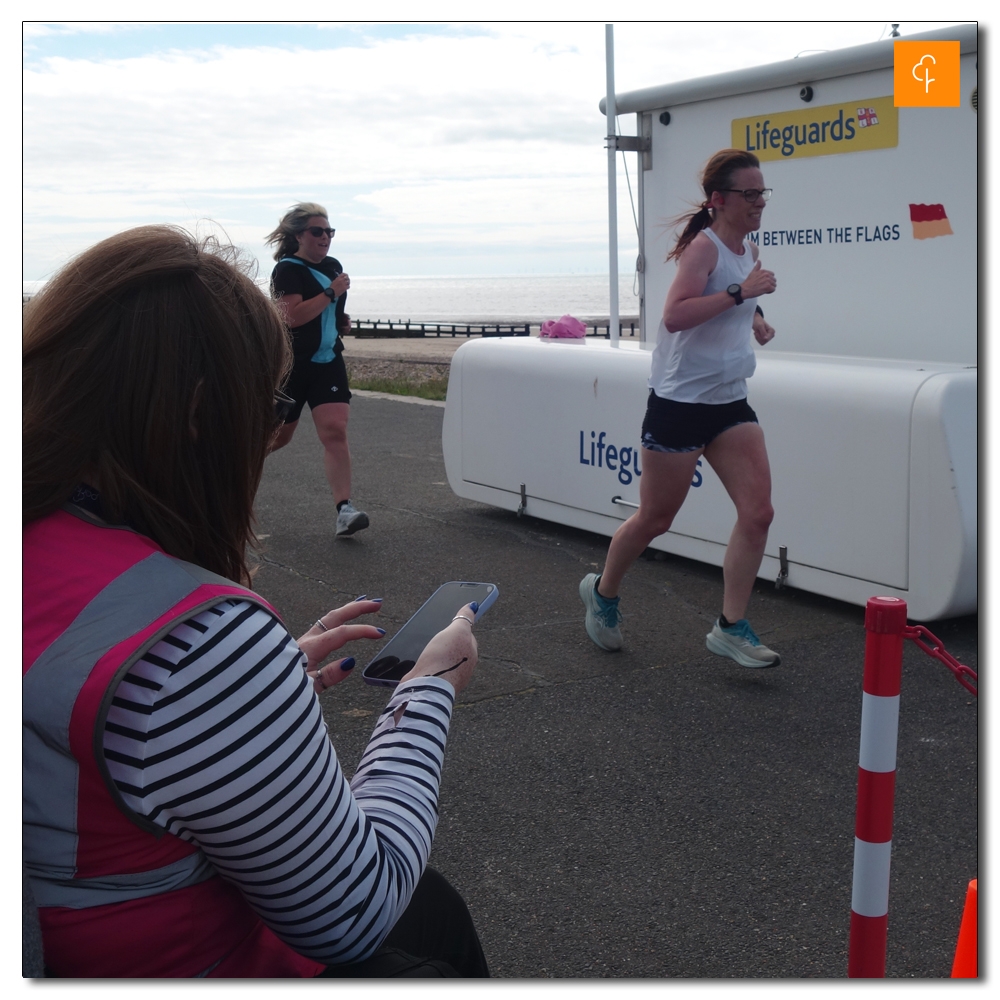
(938, 651)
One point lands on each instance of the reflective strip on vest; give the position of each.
(126, 606)
(81, 893)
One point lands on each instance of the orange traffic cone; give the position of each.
(967, 952)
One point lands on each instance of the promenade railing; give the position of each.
(407, 328)
(368, 328)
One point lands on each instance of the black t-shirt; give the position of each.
(289, 278)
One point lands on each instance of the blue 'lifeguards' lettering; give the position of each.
(617, 458)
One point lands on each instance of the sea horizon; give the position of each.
(460, 298)
(524, 298)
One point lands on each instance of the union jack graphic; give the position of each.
(866, 117)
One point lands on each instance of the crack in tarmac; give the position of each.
(267, 560)
(313, 579)
(407, 510)
(544, 682)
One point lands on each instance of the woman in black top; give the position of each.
(311, 289)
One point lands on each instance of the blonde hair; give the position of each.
(286, 234)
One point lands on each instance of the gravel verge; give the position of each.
(415, 372)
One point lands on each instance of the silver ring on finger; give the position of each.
(464, 618)
(319, 677)
(319, 622)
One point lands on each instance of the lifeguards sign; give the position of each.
(871, 123)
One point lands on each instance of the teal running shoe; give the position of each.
(603, 615)
(740, 643)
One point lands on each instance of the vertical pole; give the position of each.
(612, 114)
(644, 127)
(885, 619)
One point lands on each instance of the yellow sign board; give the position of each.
(870, 123)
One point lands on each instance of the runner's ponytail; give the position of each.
(717, 176)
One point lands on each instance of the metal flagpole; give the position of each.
(609, 49)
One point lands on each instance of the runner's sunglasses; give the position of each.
(318, 231)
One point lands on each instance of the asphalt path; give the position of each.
(659, 812)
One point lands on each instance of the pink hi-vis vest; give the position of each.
(117, 895)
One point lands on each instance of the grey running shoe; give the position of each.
(602, 621)
(740, 643)
(350, 520)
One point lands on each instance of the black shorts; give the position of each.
(315, 384)
(672, 426)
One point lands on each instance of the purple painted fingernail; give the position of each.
(474, 606)
(363, 597)
(381, 631)
(348, 664)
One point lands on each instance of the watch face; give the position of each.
(733, 289)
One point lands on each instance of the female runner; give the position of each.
(697, 406)
(311, 288)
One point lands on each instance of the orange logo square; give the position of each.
(926, 74)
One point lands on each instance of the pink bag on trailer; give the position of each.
(567, 326)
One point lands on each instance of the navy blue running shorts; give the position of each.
(314, 383)
(671, 426)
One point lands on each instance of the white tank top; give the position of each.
(711, 362)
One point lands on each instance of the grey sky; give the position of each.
(438, 149)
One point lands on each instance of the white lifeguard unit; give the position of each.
(868, 393)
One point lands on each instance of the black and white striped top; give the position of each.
(216, 735)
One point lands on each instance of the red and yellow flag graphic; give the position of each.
(928, 221)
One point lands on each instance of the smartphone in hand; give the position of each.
(398, 656)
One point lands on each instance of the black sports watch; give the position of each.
(737, 293)
(331, 294)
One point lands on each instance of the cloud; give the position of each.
(243, 117)
(426, 133)
(173, 135)
(496, 209)
(39, 29)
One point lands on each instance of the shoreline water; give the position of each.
(478, 299)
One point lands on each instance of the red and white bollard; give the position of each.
(885, 620)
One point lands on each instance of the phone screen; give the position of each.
(399, 655)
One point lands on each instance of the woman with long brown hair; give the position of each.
(184, 812)
(697, 406)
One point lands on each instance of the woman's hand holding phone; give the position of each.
(451, 654)
(330, 633)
